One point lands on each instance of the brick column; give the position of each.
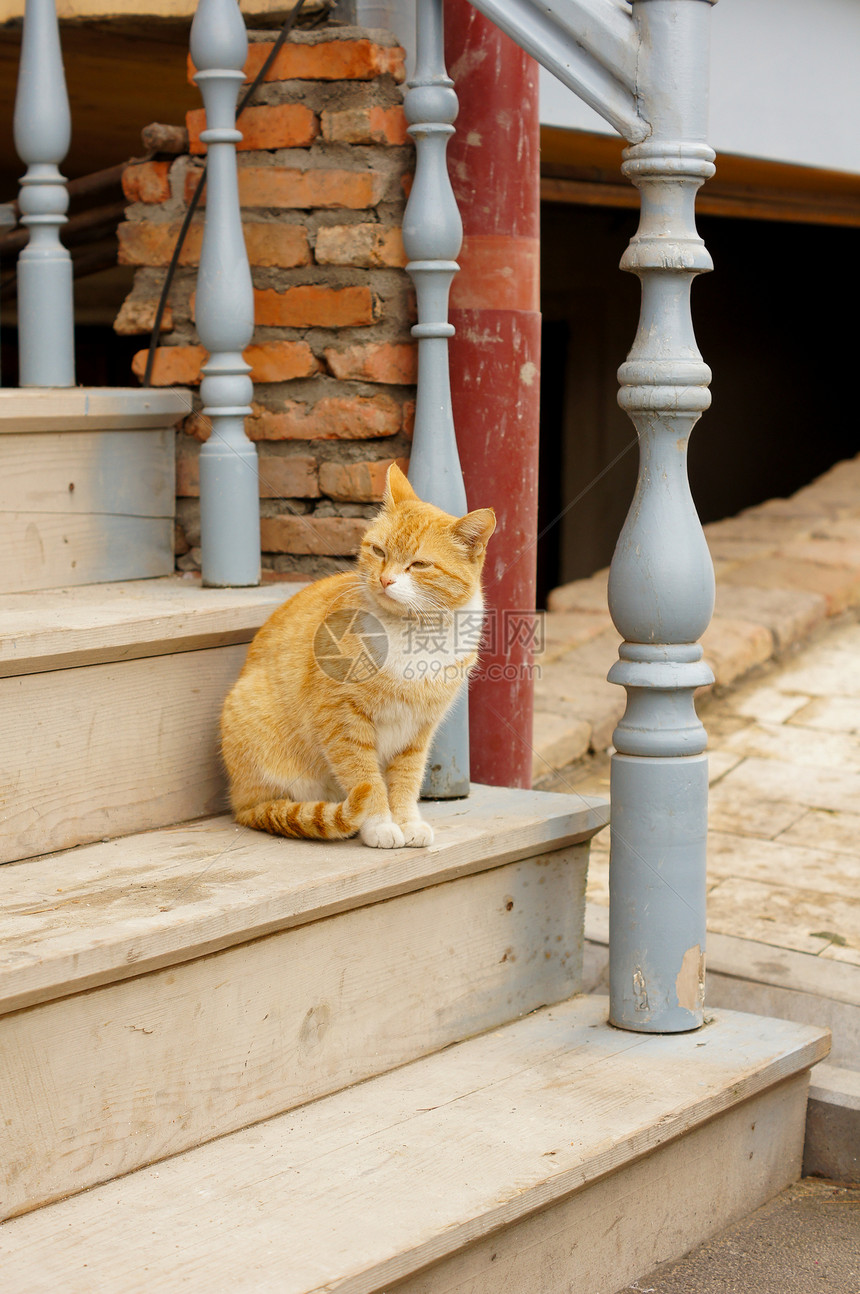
(324, 165)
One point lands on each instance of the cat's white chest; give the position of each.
(397, 727)
(434, 647)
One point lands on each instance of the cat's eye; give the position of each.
(379, 552)
(418, 566)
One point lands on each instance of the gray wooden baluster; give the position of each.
(644, 67)
(432, 236)
(42, 133)
(7, 221)
(229, 492)
(661, 584)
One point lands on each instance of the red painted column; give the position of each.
(495, 301)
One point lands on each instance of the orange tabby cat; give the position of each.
(327, 729)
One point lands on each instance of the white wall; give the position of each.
(785, 83)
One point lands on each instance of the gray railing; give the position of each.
(229, 503)
(229, 493)
(42, 135)
(432, 235)
(644, 68)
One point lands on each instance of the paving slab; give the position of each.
(788, 614)
(784, 822)
(835, 714)
(837, 832)
(784, 569)
(733, 647)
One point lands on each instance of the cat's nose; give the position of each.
(385, 580)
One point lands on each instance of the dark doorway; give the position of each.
(767, 322)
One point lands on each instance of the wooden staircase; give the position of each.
(548, 1155)
(229, 1061)
(109, 697)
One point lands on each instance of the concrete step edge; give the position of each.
(832, 1146)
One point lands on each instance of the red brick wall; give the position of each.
(324, 168)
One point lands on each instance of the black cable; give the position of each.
(195, 197)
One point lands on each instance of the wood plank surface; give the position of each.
(86, 486)
(613, 1233)
(108, 749)
(41, 550)
(83, 408)
(73, 474)
(112, 910)
(179, 1056)
(128, 619)
(368, 1186)
(841, 1018)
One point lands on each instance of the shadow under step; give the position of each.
(163, 989)
(555, 1153)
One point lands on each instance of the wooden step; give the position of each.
(747, 975)
(765, 979)
(109, 704)
(163, 989)
(87, 490)
(551, 1155)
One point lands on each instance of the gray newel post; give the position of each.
(42, 131)
(661, 585)
(432, 236)
(229, 492)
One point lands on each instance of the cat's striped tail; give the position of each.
(309, 820)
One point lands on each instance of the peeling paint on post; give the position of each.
(690, 981)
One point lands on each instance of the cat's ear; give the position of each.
(397, 488)
(475, 529)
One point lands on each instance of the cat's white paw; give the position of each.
(381, 833)
(417, 833)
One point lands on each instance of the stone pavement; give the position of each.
(783, 569)
(783, 720)
(784, 753)
(784, 813)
